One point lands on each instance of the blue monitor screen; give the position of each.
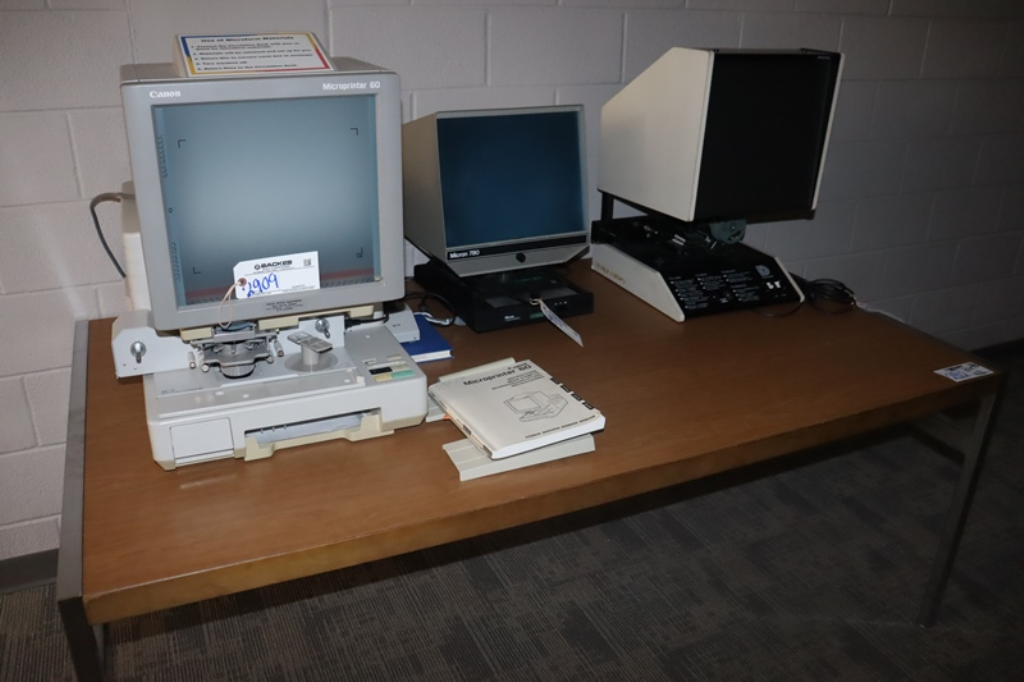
(510, 178)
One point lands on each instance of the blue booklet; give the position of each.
(431, 346)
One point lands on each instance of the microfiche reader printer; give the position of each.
(268, 207)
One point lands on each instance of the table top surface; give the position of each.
(682, 401)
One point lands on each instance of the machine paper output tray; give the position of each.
(372, 388)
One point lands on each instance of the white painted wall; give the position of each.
(922, 205)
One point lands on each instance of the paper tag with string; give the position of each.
(277, 275)
(554, 319)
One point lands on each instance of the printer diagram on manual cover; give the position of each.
(536, 405)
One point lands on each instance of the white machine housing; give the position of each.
(654, 131)
(368, 387)
(638, 159)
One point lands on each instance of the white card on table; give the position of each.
(964, 371)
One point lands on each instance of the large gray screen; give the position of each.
(261, 179)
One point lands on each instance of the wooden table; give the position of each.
(682, 401)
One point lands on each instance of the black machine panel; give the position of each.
(504, 299)
(704, 276)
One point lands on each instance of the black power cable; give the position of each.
(827, 295)
(96, 201)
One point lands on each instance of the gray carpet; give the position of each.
(811, 568)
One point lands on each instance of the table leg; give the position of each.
(84, 640)
(972, 445)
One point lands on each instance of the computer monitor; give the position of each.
(495, 190)
(714, 135)
(255, 173)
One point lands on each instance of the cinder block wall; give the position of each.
(922, 205)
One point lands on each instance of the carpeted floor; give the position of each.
(809, 569)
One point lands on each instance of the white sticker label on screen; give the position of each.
(277, 275)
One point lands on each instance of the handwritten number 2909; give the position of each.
(259, 285)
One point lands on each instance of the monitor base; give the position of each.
(504, 299)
